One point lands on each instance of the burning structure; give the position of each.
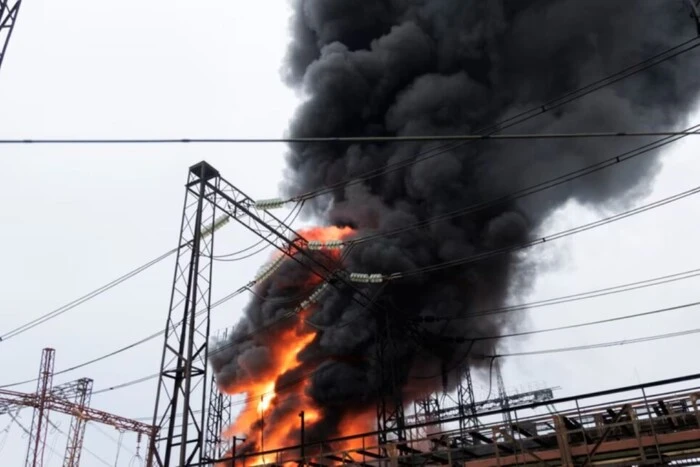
(432, 67)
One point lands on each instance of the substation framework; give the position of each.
(190, 413)
(185, 435)
(71, 398)
(653, 424)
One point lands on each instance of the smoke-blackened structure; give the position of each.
(431, 67)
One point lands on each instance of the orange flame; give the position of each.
(263, 395)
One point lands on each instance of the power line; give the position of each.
(427, 269)
(75, 303)
(445, 265)
(600, 345)
(543, 240)
(308, 375)
(516, 119)
(531, 190)
(571, 298)
(573, 326)
(360, 139)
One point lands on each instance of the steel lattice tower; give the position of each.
(181, 401)
(9, 9)
(182, 387)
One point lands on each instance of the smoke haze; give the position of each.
(427, 67)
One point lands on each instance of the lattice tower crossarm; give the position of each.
(9, 9)
(181, 400)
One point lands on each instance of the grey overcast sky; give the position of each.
(76, 217)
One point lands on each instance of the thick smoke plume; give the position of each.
(427, 67)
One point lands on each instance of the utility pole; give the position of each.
(40, 418)
(9, 9)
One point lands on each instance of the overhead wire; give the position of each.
(573, 326)
(79, 301)
(543, 239)
(479, 137)
(230, 256)
(528, 191)
(514, 120)
(612, 290)
(304, 377)
(361, 139)
(432, 268)
(65, 435)
(600, 345)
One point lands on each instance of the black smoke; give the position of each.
(430, 67)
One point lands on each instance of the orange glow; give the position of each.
(270, 418)
(326, 233)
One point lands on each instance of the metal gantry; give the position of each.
(182, 388)
(181, 401)
(9, 9)
(70, 399)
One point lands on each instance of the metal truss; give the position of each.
(243, 209)
(76, 433)
(219, 417)
(466, 402)
(391, 424)
(181, 401)
(183, 377)
(40, 418)
(49, 403)
(9, 9)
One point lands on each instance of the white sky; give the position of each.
(75, 217)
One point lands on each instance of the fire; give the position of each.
(270, 419)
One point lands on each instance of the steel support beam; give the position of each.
(218, 419)
(9, 9)
(181, 400)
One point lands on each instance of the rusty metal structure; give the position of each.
(652, 424)
(71, 399)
